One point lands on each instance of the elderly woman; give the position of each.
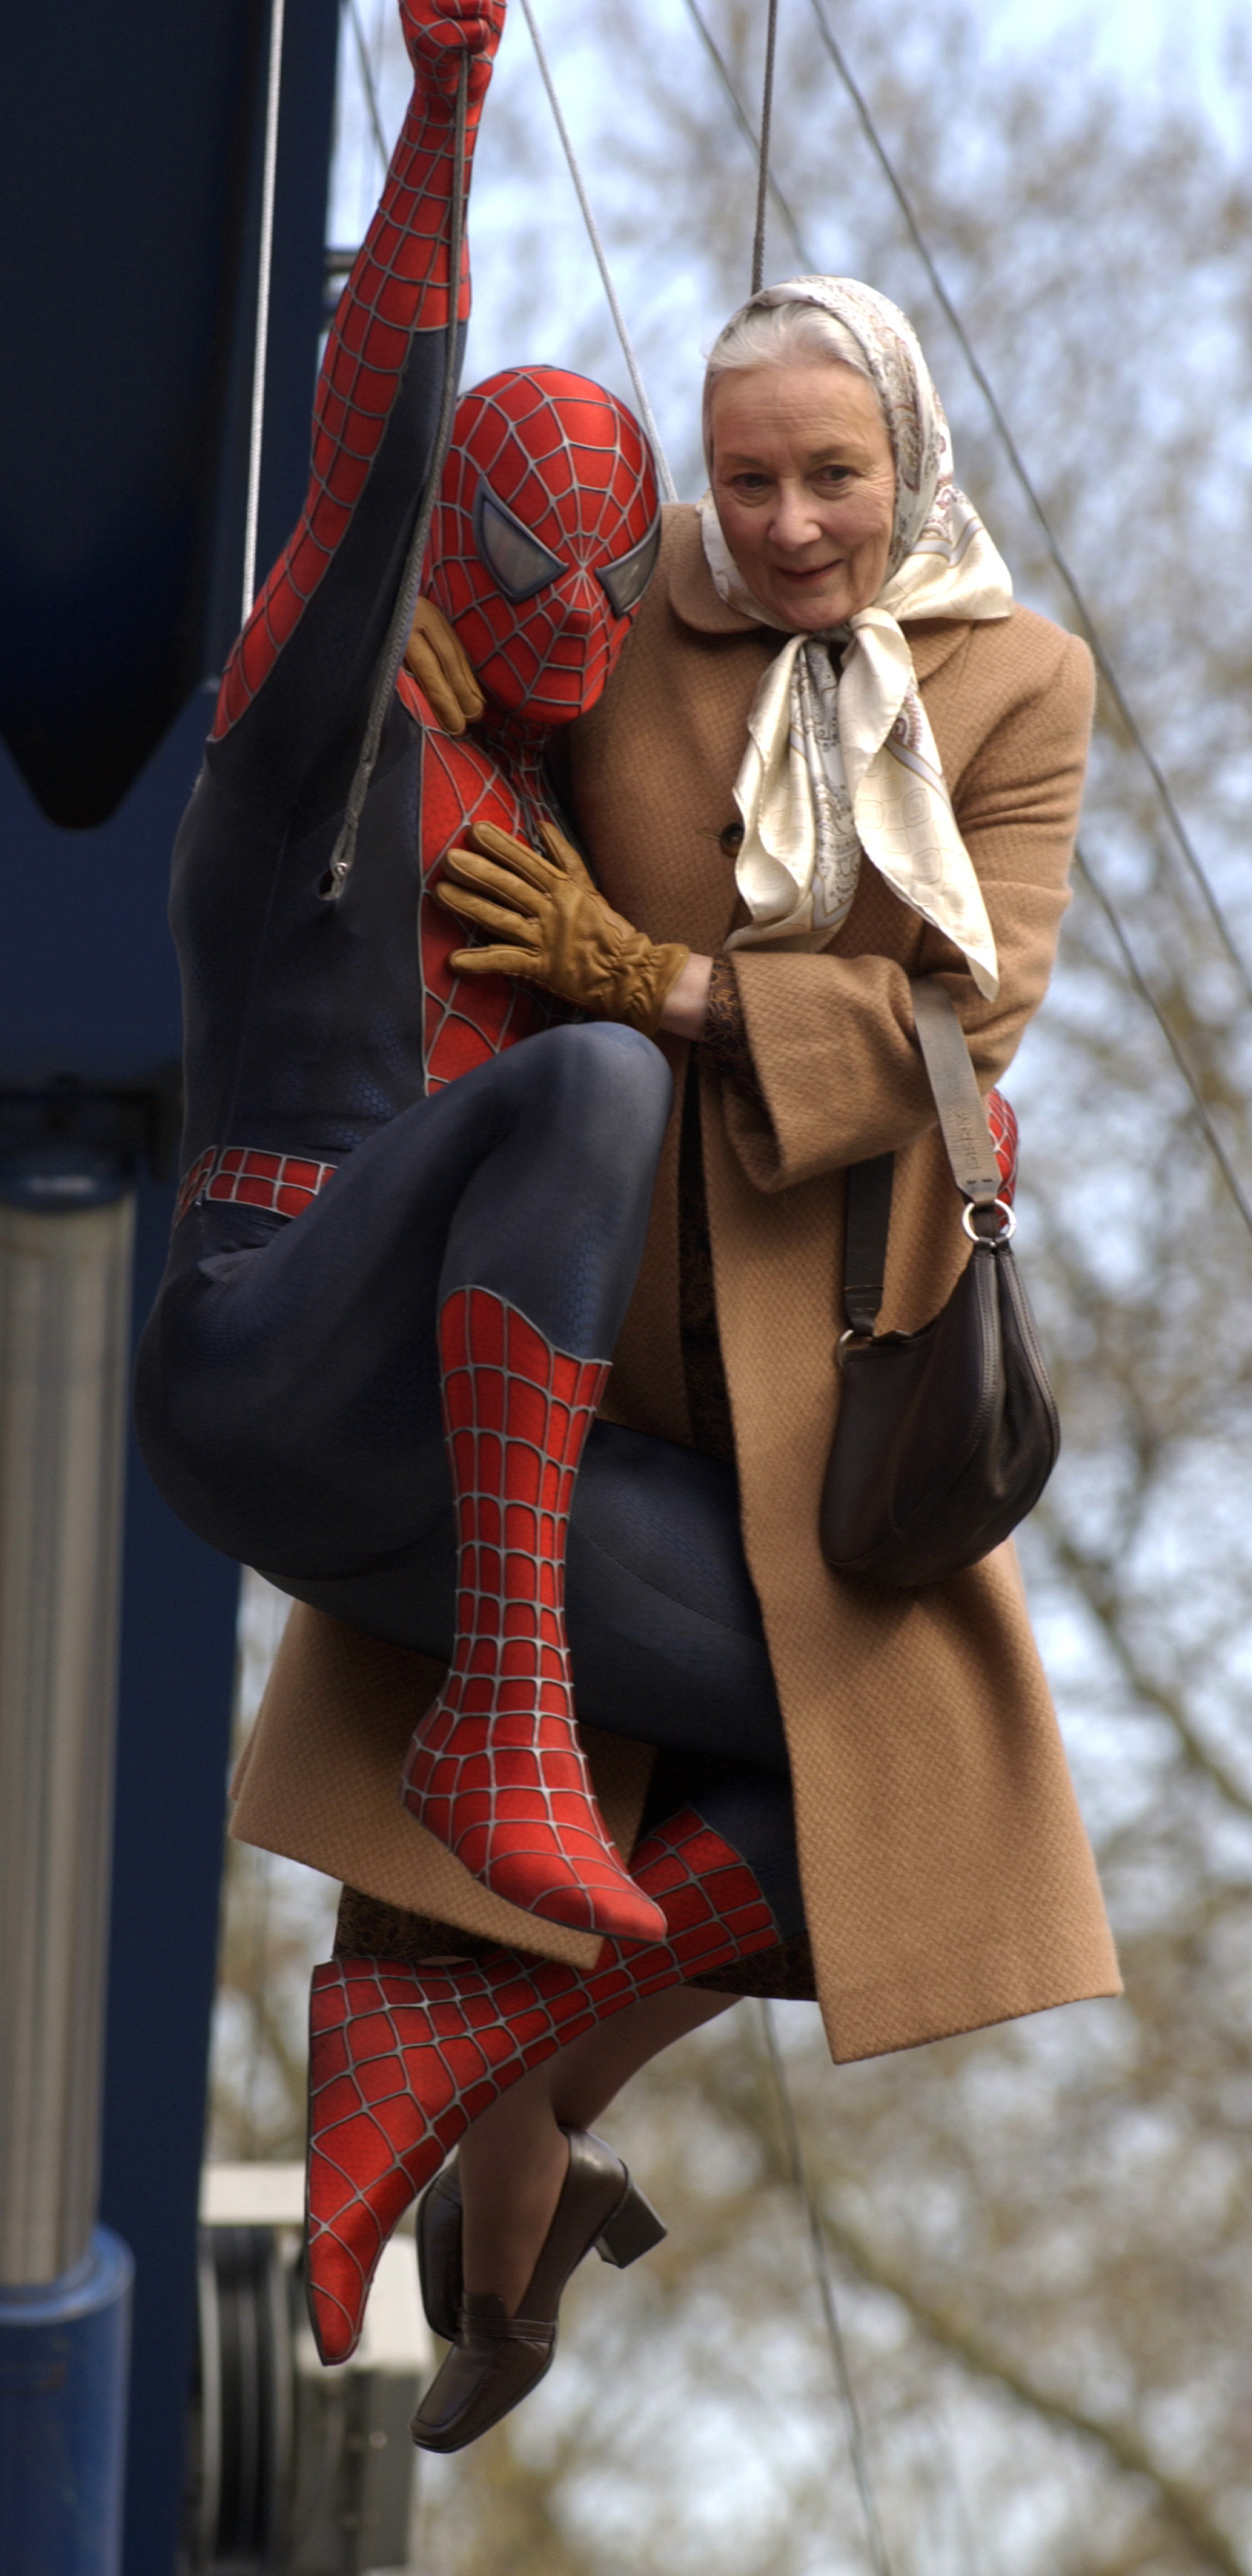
(834, 756)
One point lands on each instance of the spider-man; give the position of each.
(471, 1209)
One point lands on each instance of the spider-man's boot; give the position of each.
(495, 1769)
(402, 2059)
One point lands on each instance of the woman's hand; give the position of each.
(551, 926)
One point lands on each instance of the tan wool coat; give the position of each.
(948, 1881)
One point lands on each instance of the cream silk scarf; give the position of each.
(841, 760)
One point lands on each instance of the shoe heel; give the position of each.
(633, 2229)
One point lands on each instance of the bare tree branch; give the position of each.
(1179, 2504)
(1102, 1600)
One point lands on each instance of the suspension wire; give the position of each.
(261, 338)
(1099, 648)
(879, 2560)
(261, 1877)
(392, 654)
(749, 133)
(668, 485)
(369, 84)
(762, 183)
(1146, 994)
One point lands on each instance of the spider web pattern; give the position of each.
(496, 1769)
(468, 1018)
(402, 2059)
(1002, 1120)
(398, 285)
(285, 1184)
(572, 465)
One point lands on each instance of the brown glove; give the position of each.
(439, 664)
(554, 928)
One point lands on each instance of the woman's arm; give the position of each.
(297, 682)
(687, 1005)
(831, 1037)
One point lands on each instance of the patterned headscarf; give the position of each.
(841, 760)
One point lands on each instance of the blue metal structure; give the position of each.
(129, 206)
(63, 2354)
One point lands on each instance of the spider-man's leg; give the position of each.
(289, 1393)
(496, 1769)
(403, 2059)
(665, 1630)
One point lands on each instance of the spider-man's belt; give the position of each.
(284, 1183)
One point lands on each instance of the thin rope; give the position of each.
(261, 1878)
(668, 484)
(767, 118)
(826, 2292)
(369, 85)
(751, 138)
(1103, 658)
(261, 342)
(397, 636)
(1146, 994)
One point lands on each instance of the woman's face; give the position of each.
(805, 487)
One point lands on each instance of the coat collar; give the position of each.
(689, 586)
(689, 582)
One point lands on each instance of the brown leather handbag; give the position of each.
(946, 1437)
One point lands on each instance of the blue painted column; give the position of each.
(66, 1231)
(64, 2350)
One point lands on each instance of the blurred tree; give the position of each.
(276, 1920)
(1043, 2235)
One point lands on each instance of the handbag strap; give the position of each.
(866, 1226)
(962, 1109)
(966, 1135)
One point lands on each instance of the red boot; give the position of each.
(402, 2059)
(495, 1769)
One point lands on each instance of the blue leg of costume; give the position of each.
(289, 1390)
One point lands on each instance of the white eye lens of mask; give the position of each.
(626, 580)
(518, 564)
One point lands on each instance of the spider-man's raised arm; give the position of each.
(296, 688)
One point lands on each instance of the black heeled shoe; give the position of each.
(496, 2359)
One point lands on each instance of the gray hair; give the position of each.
(778, 335)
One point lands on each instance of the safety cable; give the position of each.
(668, 485)
(261, 340)
(749, 133)
(1100, 651)
(767, 118)
(1146, 994)
(826, 2292)
(369, 84)
(261, 1877)
(392, 654)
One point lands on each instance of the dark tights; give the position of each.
(288, 1402)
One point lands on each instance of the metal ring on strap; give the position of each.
(1008, 1227)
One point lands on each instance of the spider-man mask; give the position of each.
(544, 539)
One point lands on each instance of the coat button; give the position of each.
(731, 839)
